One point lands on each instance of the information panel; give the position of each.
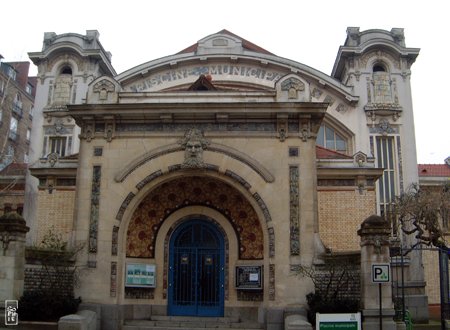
(249, 277)
(140, 275)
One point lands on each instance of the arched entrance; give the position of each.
(196, 270)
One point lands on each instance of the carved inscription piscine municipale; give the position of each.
(253, 72)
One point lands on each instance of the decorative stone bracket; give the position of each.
(88, 129)
(282, 126)
(309, 128)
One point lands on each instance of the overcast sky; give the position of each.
(309, 32)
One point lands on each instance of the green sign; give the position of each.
(338, 321)
(339, 325)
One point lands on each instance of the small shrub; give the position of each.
(42, 306)
(52, 296)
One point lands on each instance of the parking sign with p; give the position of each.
(381, 273)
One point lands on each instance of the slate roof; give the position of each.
(14, 169)
(245, 44)
(324, 153)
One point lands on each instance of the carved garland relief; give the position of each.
(294, 210)
(94, 216)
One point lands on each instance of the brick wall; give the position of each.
(341, 213)
(56, 211)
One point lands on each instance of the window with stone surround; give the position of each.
(60, 144)
(57, 144)
(386, 158)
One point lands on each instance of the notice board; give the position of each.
(249, 277)
(140, 275)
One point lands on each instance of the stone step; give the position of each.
(195, 319)
(133, 327)
(188, 323)
(427, 326)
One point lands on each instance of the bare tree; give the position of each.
(336, 278)
(424, 213)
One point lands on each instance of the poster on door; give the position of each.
(140, 275)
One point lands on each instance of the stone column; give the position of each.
(12, 256)
(375, 232)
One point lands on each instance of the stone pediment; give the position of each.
(220, 43)
(224, 42)
(233, 63)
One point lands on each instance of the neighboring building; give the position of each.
(211, 175)
(432, 178)
(17, 92)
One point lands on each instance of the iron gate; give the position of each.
(196, 270)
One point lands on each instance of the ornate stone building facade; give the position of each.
(201, 181)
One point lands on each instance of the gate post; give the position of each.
(13, 230)
(374, 233)
(444, 287)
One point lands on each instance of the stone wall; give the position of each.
(431, 267)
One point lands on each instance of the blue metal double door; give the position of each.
(196, 270)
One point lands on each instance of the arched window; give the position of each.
(330, 139)
(379, 68)
(66, 70)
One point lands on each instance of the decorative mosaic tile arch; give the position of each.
(189, 191)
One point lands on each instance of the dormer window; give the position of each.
(203, 83)
(12, 73)
(29, 89)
